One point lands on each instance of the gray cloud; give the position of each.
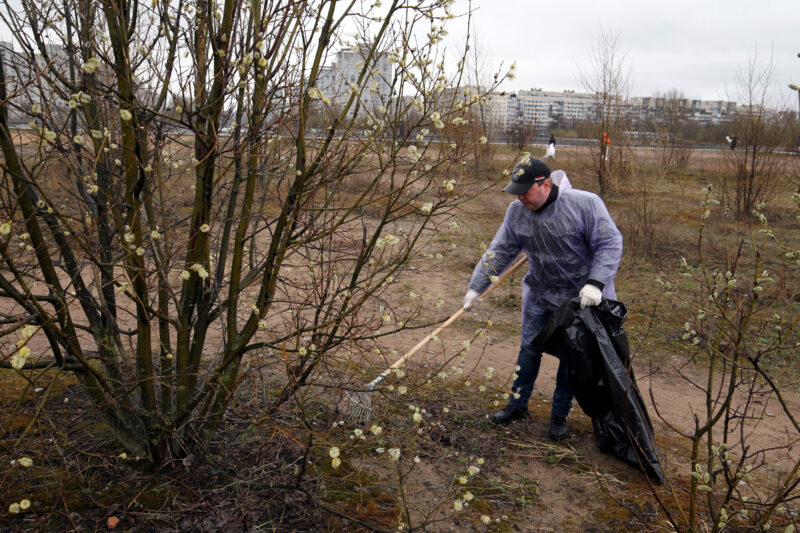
(696, 47)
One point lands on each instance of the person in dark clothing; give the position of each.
(732, 140)
(551, 148)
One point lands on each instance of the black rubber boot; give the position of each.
(509, 413)
(559, 430)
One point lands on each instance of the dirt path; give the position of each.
(677, 401)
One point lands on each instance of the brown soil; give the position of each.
(570, 486)
(570, 498)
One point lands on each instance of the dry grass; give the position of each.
(248, 480)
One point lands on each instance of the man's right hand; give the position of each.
(470, 299)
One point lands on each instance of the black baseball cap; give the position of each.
(525, 175)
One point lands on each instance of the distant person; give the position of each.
(604, 142)
(732, 140)
(551, 148)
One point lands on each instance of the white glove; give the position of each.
(470, 298)
(590, 295)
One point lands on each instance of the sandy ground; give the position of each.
(676, 403)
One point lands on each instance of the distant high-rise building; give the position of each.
(336, 81)
(36, 80)
(19, 72)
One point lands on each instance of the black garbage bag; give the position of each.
(595, 348)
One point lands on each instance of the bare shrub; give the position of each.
(674, 151)
(739, 324)
(640, 222)
(754, 165)
(174, 213)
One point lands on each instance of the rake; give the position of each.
(357, 405)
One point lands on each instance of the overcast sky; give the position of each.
(694, 46)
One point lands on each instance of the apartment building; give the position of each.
(35, 82)
(335, 80)
(542, 110)
(19, 71)
(538, 109)
(704, 111)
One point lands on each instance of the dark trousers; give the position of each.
(529, 360)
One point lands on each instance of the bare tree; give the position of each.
(482, 72)
(150, 250)
(608, 78)
(671, 113)
(755, 165)
(520, 133)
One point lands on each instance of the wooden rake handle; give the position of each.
(510, 270)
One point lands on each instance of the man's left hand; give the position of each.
(590, 295)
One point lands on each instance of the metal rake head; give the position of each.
(356, 405)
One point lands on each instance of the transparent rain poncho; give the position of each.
(567, 243)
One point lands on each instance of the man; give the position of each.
(573, 250)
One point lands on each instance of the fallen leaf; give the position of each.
(112, 522)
